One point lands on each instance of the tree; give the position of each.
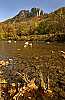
(42, 28)
(34, 11)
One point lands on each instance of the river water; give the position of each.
(46, 57)
(12, 49)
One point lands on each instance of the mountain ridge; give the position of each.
(62, 10)
(34, 22)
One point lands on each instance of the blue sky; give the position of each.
(9, 8)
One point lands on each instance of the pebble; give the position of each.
(53, 66)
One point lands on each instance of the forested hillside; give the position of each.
(34, 22)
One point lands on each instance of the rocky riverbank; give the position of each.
(57, 37)
(44, 60)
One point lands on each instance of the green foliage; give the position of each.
(52, 24)
(42, 28)
(31, 24)
(34, 11)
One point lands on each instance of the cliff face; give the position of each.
(25, 15)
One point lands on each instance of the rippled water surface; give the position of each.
(12, 49)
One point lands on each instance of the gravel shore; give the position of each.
(48, 60)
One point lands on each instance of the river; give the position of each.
(12, 49)
(46, 57)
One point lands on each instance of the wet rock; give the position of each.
(62, 95)
(36, 58)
